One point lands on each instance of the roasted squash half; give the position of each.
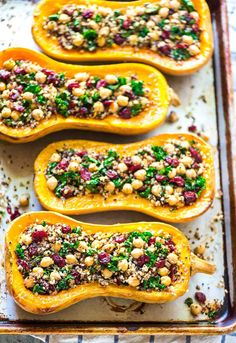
(88, 203)
(52, 47)
(151, 117)
(49, 303)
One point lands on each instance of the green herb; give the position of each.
(51, 166)
(117, 13)
(180, 54)
(62, 284)
(76, 230)
(137, 87)
(62, 102)
(112, 265)
(76, 22)
(144, 235)
(90, 34)
(19, 251)
(188, 301)
(54, 17)
(38, 289)
(122, 80)
(197, 185)
(92, 185)
(35, 89)
(117, 182)
(153, 283)
(153, 258)
(145, 193)
(189, 5)
(136, 109)
(159, 153)
(68, 247)
(44, 223)
(98, 18)
(69, 177)
(91, 252)
(212, 314)
(41, 99)
(143, 32)
(96, 96)
(162, 23)
(151, 172)
(165, 171)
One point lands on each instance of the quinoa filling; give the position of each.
(30, 93)
(170, 28)
(52, 258)
(172, 174)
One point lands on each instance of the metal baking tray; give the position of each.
(207, 102)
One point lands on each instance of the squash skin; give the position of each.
(96, 203)
(52, 47)
(146, 121)
(45, 304)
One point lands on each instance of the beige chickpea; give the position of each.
(26, 239)
(98, 107)
(82, 76)
(187, 161)
(93, 167)
(71, 259)
(174, 4)
(57, 246)
(39, 227)
(122, 100)
(172, 200)
(38, 272)
(104, 31)
(113, 108)
(172, 173)
(106, 273)
(28, 96)
(140, 174)
(125, 88)
(138, 242)
(24, 200)
(110, 187)
(193, 50)
(111, 79)
(89, 261)
(101, 41)
(136, 160)
(151, 24)
(55, 276)
(187, 39)
(96, 244)
(46, 262)
(136, 253)
(170, 148)
(164, 3)
(6, 112)
(52, 183)
(76, 91)
(156, 190)
(37, 114)
(122, 167)
(163, 271)
(55, 157)
(181, 170)
(191, 173)
(93, 25)
(154, 35)
(29, 282)
(165, 280)
(5, 94)
(40, 77)
(172, 258)
(163, 12)
(73, 166)
(51, 25)
(133, 39)
(123, 265)
(136, 184)
(127, 188)
(185, 144)
(105, 92)
(158, 165)
(82, 246)
(2, 86)
(169, 190)
(195, 309)
(133, 281)
(9, 64)
(195, 15)
(122, 250)
(64, 18)
(15, 115)
(200, 249)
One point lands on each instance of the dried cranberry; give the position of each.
(143, 188)
(152, 240)
(101, 83)
(104, 258)
(33, 250)
(107, 103)
(165, 50)
(73, 85)
(4, 75)
(130, 95)
(161, 263)
(126, 24)
(38, 236)
(125, 113)
(48, 72)
(54, 79)
(66, 229)
(20, 88)
(63, 164)
(195, 154)
(76, 276)
(120, 239)
(87, 14)
(45, 285)
(67, 192)
(143, 260)
(69, 11)
(119, 39)
(14, 95)
(83, 111)
(72, 104)
(165, 34)
(181, 46)
(170, 244)
(81, 153)
(112, 174)
(172, 161)
(23, 264)
(195, 165)
(189, 197)
(178, 180)
(58, 260)
(160, 178)
(13, 213)
(200, 297)
(19, 70)
(85, 174)
(52, 288)
(195, 28)
(173, 271)
(192, 128)
(19, 108)
(89, 83)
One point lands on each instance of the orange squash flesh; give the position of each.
(45, 304)
(96, 202)
(168, 65)
(149, 119)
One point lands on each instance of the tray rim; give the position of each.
(222, 64)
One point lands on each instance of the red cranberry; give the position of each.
(152, 240)
(112, 174)
(178, 180)
(19, 108)
(160, 178)
(58, 260)
(20, 88)
(130, 95)
(52, 288)
(172, 161)
(67, 192)
(160, 263)
(83, 111)
(143, 188)
(89, 83)
(170, 244)
(165, 50)
(195, 28)
(189, 197)
(63, 165)
(4, 75)
(143, 260)
(81, 153)
(126, 24)
(85, 174)
(23, 264)
(104, 258)
(69, 11)
(195, 154)
(192, 128)
(19, 70)
(13, 213)
(165, 34)
(14, 95)
(48, 72)
(73, 85)
(38, 236)
(120, 239)
(72, 104)
(107, 103)
(101, 83)
(200, 297)
(125, 113)
(173, 271)
(87, 14)
(76, 276)
(181, 46)
(66, 229)
(33, 250)
(119, 39)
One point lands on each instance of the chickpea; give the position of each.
(27, 239)
(172, 258)
(105, 92)
(127, 188)
(106, 273)
(181, 170)
(190, 173)
(96, 244)
(110, 187)
(195, 309)
(136, 253)
(163, 271)
(172, 200)
(81, 76)
(172, 173)
(123, 89)
(24, 200)
(133, 39)
(52, 183)
(193, 50)
(57, 246)
(64, 18)
(6, 112)
(133, 281)
(2, 86)
(156, 190)
(122, 100)
(37, 114)
(140, 174)
(46, 262)
(40, 77)
(73, 166)
(51, 25)
(169, 148)
(71, 259)
(187, 161)
(55, 157)
(185, 144)
(101, 41)
(104, 31)
(55, 276)
(76, 91)
(165, 280)
(98, 107)
(187, 39)
(123, 265)
(200, 249)
(93, 167)
(163, 12)
(158, 165)
(113, 108)
(136, 160)
(9, 64)
(29, 282)
(111, 79)
(5, 94)
(136, 184)
(38, 272)
(169, 190)
(122, 167)
(174, 4)
(89, 260)
(39, 227)
(93, 25)
(195, 16)
(154, 35)
(83, 247)
(15, 115)
(138, 242)
(165, 3)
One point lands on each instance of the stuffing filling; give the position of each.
(30, 93)
(55, 257)
(168, 27)
(171, 175)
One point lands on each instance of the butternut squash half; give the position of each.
(118, 51)
(150, 117)
(34, 302)
(165, 174)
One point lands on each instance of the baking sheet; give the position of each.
(198, 105)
